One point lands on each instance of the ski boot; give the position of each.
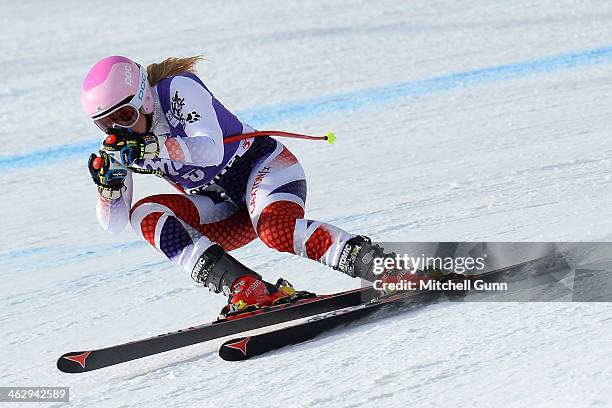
(357, 260)
(245, 288)
(249, 293)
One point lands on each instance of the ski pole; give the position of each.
(329, 138)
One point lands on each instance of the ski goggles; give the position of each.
(124, 116)
(125, 113)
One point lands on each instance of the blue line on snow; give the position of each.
(355, 100)
(60, 255)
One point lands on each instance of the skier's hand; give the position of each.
(108, 175)
(126, 146)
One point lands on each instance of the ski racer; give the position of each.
(163, 120)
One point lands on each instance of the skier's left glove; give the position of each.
(126, 146)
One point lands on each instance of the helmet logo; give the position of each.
(128, 75)
(143, 82)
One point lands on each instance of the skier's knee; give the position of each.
(143, 217)
(153, 199)
(276, 225)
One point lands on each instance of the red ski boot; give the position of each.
(245, 288)
(249, 293)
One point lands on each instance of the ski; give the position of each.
(88, 360)
(243, 348)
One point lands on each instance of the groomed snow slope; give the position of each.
(467, 121)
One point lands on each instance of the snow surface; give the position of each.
(468, 120)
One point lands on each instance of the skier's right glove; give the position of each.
(108, 175)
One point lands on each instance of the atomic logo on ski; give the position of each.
(79, 358)
(240, 345)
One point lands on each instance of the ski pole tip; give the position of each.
(330, 138)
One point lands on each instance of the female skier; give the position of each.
(163, 120)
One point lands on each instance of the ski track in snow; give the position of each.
(474, 121)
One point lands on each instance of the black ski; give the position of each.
(83, 361)
(243, 348)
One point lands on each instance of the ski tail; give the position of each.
(74, 362)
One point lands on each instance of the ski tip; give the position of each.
(235, 349)
(330, 138)
(73, 362)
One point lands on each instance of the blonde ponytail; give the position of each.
(172, 66)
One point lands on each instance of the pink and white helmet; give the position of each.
(115, 91)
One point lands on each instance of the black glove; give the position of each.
(108, 176)
(126, 146)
